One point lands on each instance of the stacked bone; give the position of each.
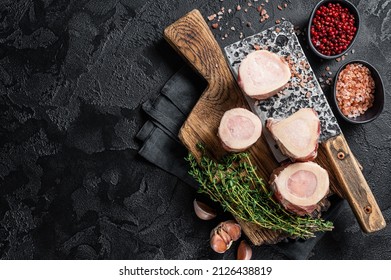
(300, 186)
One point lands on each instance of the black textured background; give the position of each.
(73, 74)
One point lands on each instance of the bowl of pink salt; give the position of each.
(358, 92)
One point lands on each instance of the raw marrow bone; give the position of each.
(263, 74)
(300, 187)
(297, 136)
(239, 129)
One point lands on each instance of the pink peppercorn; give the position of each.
(332, 29)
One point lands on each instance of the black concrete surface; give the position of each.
(73, 74)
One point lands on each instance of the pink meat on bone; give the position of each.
(300, 187)
(239, 129)
(297, 136)
(263, 74)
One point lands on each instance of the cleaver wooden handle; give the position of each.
(353, 184)
(191, 37)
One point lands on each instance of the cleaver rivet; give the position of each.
(341, 155)
(368, 209)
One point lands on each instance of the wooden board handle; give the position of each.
(354, 186)
(192, 38)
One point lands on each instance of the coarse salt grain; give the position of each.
(355, 90)
(212, 17)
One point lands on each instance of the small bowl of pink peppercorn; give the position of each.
(333, 28)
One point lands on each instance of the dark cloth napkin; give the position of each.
(167, 113)
(162, 147)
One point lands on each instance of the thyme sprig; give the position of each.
(235, 184)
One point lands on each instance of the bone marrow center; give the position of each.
(240, 127)
(302, 183)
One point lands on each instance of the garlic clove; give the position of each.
(224, 235)
(233, 229)
(229, 244)
(217, 243)
(244, 251)
(203, 211)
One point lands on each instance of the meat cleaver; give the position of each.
(192, 38)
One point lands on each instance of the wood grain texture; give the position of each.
(192, 38)
(353, 184)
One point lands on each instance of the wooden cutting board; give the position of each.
(192, 38)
